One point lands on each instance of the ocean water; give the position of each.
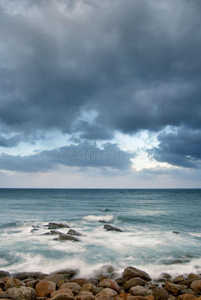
(148, 218)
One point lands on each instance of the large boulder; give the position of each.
(196, 286)
(139, 291)
(133, 282)
(112, 228)
(132, 272)
(44, 288)
(22, 293)
(106, 294)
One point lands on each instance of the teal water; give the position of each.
(148, 219)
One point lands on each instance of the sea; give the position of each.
(161, 230)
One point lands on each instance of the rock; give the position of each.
(12, 282)
(67, 273)
(102, 221)
(178, 279)
(139, 291)
(66, 237)
(52, 232)
(112, 228)
(136, 298)
(63, 297)
(174, 288)
(22, 293)
(193, 276)
(25, 275)
(149, 297)
(186, 297)
(105, 271)
(133, 282)
(73, 286)
(176, 232)
(106, 294)
(32, 283)
(110, 283)
(85, 296)
(4, 274)
(44, 288)
(80, 281)
(196, 286)
(87, 287)
(160, 294)
(57, 225)
(122, 296)
(132, 272)
(54, 278)
(63, 291)
(73, 232)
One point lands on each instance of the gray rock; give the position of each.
(67, 273)
(25, 275)
(133, 282)
(73, 232)
(4, 274)
(139, 291)
(52, 232)
(22, 293)
(57, 225)
(66, 237)
(112, 228)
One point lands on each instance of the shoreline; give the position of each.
(132, 284)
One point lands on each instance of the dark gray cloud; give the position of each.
(85, 155)
(182, 148)
(9, 142)
(137, 63)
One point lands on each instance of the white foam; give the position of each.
(95, 218)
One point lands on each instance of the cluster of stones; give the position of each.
(71, 235)
(134, 284)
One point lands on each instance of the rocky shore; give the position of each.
(133, 284)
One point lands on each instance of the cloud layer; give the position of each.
(135, 64)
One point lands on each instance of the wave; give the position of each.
(95, 218)
(105, 209)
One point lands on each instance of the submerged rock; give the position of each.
(112, 228)
(67, 273)
(52, 232)
(66, 237)
(73, 232)
(57, 225)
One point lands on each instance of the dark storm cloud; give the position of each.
(84, 155)
(137, 63)
(182, 148)
(9, 142)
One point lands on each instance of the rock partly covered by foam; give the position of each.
(53, 225)
(66, 237)
(112, 228)
(74, 232)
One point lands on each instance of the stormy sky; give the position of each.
(100, 93)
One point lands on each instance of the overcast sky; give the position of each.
(100, 93)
